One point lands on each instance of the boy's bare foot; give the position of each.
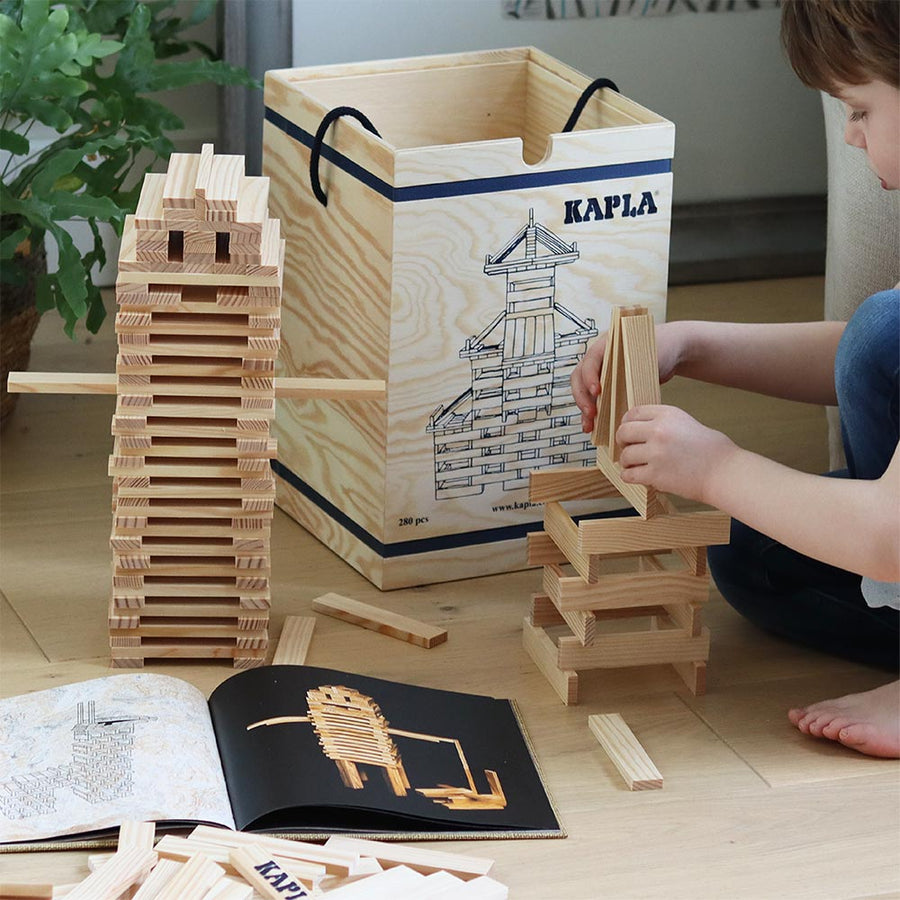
(868, 722)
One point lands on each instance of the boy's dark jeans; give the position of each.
(800, 598)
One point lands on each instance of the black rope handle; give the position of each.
(330, 117)
(589, 92)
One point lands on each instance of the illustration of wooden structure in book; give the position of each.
(353, 731)
(626, 590)
(198, 327)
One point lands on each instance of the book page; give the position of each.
(86, 757)
(309, 750)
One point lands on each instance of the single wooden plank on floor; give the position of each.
(293, 644)
(626, 752)
(381, 620)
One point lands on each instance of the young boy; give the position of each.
(813, 558)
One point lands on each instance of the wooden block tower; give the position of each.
(623, 591)
(198, 326)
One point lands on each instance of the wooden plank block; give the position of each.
(193, 881)
(543, 652)
(542, 551)
(396, 883)
(643, 498)
(172, 467)
(244, 637)
(626, 752)
(485, 888)
(442, 886)
(14, 890)
(253, 204)
(623, 590)
(193, 650)
(120, 872)
(693, 674)
(61, 383)
(146, 322)
(160, 876)
(641, 366)
(336, 862)
(635, 648)
(203, 174)
(419, 859)
(264, 874)
(581, 621)
(223, 187)
(566, 535)
(618, 402)
(293, 644)
(663, 532)
(149, 212)
(330, 388)
(288, 388)
(570, 483)
(136, 834)
(231, 890)
(181, 176)
(600, 433)
(381, 620)
(133, 271)
(180, 849)
(544, 613)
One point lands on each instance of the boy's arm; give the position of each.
(792, 360)
(849, 523)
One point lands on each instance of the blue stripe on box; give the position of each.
(474, 185)
(422, 545)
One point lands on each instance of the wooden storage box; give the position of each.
(466, 255)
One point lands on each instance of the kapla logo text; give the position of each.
(622, 205)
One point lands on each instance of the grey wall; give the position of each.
(745, 126)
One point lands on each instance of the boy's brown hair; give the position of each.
(842, 41)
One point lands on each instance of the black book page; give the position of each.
(280, 777)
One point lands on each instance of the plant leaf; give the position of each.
(11, 241)
(14, 143)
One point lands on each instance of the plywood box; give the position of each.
(466, 255)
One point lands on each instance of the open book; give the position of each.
(292, 750)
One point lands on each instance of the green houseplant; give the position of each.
(87, 72)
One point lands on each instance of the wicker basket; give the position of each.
(18, 322)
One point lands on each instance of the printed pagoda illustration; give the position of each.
(517, 414)
(626, 590)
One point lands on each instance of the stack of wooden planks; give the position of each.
(198, 328)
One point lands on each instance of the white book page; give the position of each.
(87, 756)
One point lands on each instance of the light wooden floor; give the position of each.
(750, 808)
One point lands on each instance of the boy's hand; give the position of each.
(585, 378)
(665, 448)
(586, 382)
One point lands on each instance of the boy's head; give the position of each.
(833, 43)
(851, 49)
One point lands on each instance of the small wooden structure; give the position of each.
(622, 591)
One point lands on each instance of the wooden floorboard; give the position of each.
(750, 808)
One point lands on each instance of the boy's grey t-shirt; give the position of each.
(881, 593)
